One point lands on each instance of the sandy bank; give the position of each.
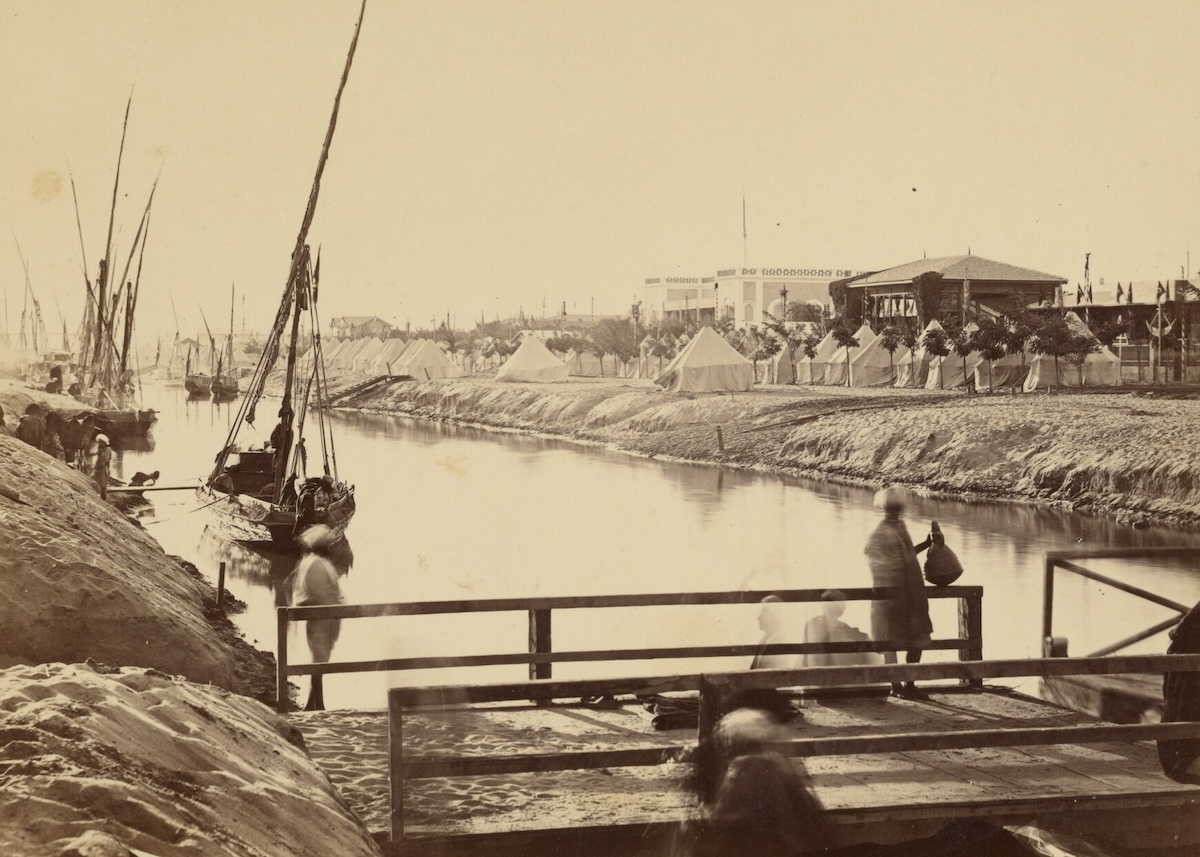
(100, 760)
(141, 761)
(79, 581)
(1133, 453)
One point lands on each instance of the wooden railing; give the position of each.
(1066, 561)
(716, 688)
(541, 656)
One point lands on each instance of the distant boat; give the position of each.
(225, 380)
(271, 495)
(197, 384)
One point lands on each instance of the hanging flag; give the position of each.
(1120, 292)
(1087, 260)
(1129, 293)
(1078, 293)
(1089, 293)
(1161, 293)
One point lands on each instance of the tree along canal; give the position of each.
(448, 512)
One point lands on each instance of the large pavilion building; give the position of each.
(972, 282)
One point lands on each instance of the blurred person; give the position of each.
(752, 799)
(103, 463)
(315, 583)
(829, 628)
(903, 618)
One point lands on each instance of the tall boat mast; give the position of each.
(291, 506)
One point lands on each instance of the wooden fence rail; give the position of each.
(1064, 560)
(714, 690)
(540, 655)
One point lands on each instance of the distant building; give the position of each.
(359, 327)
(981, 285)
(740, 294)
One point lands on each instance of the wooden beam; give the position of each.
(967, 739)
(135, 489)
(807, 677)
(524, 763)
(489, 605)
(396, 766)
(552, 689)
(469, 766)
(521, 658)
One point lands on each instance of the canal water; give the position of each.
(448, 512)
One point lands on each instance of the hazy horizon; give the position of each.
(498, 156)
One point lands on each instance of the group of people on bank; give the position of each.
(902, 619)
(755, 801)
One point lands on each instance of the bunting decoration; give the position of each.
(1161, 325)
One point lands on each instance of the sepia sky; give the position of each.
(506, 154)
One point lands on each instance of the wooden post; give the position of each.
(281, 660)
(540, 643)
(221, 586)
(714, 693)
(1047, 605)
(720, 440)
(970, 628)
(396, 770)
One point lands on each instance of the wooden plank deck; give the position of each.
(1115, 793)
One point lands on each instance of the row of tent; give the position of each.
(707, 363)
(420, 358)
(870, 365)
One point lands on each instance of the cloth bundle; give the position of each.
(941, 564)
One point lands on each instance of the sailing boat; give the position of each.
(107, 372)
(197, 384)
(270, 494)
(225, 380)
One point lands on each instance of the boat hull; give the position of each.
(198, 385)
(253, 520)
(126, 423)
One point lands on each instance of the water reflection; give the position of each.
(257, 565)
(450, 512)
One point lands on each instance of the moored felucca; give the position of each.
(108, 380)
(270, 495)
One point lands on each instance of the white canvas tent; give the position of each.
(584, 364)
(1102, 369)
(811, 370)
(707, 364)
(426, 361)
(1099, 369)
(873, 366)
(782, 369)
(366, 355)
(914, 372)
(532, 361)
(1008, 371)
(839, 369)
(345, 358)
(946, 373)
(386, 358)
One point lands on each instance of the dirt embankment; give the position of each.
(1133, 453)
(79, 581)
(126, 712)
